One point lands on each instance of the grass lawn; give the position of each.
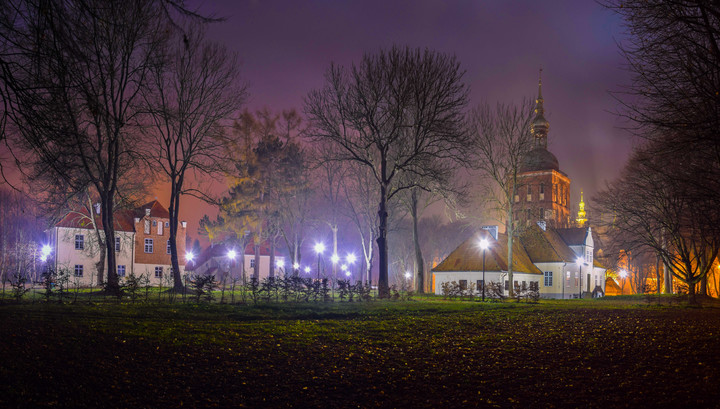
(622, 352)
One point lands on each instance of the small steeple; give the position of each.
(540, 126)
(581, 219)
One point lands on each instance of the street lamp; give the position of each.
(623, 274)
(296, 268)
(45, 252)
(307, 270)
(484, 244)
(280, 264)
(334, 260)
(580, 262)
(350, 259)
(319, 248)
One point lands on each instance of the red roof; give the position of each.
(124, 218)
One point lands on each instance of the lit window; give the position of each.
(78, 270)
(79, 242)
(117, 243)
(529, 193)
(121, 270)
(158, 272)
(148, 245)
(548, 279)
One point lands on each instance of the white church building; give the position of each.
(560, 262)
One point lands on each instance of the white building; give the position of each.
(141, 245)
(559, 261)
(228, 263)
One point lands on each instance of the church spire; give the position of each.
(581, 219)
(540, 126)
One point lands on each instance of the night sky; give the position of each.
(284, 48)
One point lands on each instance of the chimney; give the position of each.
(493, 230)
(147, 212)
(97, 208)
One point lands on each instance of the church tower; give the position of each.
(582, 215)
(543, 191)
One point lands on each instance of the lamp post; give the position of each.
(408, 282)
(280, 264)
(623, 274)
(484, 244)
(319, 248)
(296, 268)
(307, 269)
(334, 260)
(579, 262)
(231, 254)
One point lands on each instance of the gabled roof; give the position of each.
(124, 218)
(573, 236)
(546, 246)
(80, 219)
(156, 210)
(468, 256)
(221, 250)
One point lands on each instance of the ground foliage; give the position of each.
(592, 353)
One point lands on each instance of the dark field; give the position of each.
(419, 354)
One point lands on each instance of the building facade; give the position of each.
(142, 246)
(543, 190)
(560, 262)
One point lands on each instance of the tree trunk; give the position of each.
(272, 258)
(510, 232)
(106, 214)
(174, 211)
(256, 268)
(383, 285)
(658, 265)
(419, 262)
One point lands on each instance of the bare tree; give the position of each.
(665, 214)
(72, 73)
(399, 111)
(192, 90)
(502, 139)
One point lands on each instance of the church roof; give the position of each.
(539, 159)
(546, 246)
(468, 256)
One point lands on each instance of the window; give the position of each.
(548, 278)
(507, 285)
(252, 263)
(542, 192)
(534, 286)
(148, 245)
(167, 224)
(567, 280)
(158, 272)
(160, 229)
(542, 213)
(79, 242)
(168, 247)
(588, 256)
(480, 285)
(147, 227)
(121, 270)
(529, 193)
(154, 223)
(117, 243)
(463, 284)
(78, 270)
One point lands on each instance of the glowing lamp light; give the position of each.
(296, 266)
(189, 256)
(319, 248)
(43, 258)
(334, 258)
(307, 270)
(351, 258)
(484, 244)
(347, 273)
(280, 263)
(46, 249)
(623, 274)
(579, 260)
(343, 267)
(408, 275)
(231, 254)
